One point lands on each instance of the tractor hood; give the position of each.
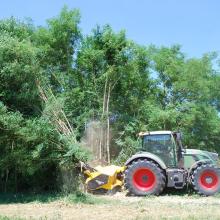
(203, 155)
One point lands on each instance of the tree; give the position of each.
(188, 99)
(31, 146)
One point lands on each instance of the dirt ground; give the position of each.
(120, 207)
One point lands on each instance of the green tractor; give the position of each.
(163, 162)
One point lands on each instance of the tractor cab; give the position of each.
(164, 144)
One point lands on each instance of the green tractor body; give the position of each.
(163, 162)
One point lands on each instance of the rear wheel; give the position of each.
(206, 179)
(144, 177)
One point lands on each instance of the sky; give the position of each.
(194, 24)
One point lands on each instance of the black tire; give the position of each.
(205, 179)
(143, 177)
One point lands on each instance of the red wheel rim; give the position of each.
(209, 180)
(144, 179)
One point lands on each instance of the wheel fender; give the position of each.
(198, 163)
(147, 156)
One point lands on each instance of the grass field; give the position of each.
(80, 206)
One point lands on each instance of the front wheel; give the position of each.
(206, 179)
(144, 177)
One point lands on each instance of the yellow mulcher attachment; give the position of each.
(107, 178)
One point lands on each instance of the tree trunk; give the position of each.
(108, 126)
(102, 135)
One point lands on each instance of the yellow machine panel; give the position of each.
(107, 177)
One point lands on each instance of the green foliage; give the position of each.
(19, 72)
(17, 29)
(28, 151)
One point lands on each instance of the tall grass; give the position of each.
(77, 197)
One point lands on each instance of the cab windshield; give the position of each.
(162, 145)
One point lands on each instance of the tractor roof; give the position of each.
(154, 132)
